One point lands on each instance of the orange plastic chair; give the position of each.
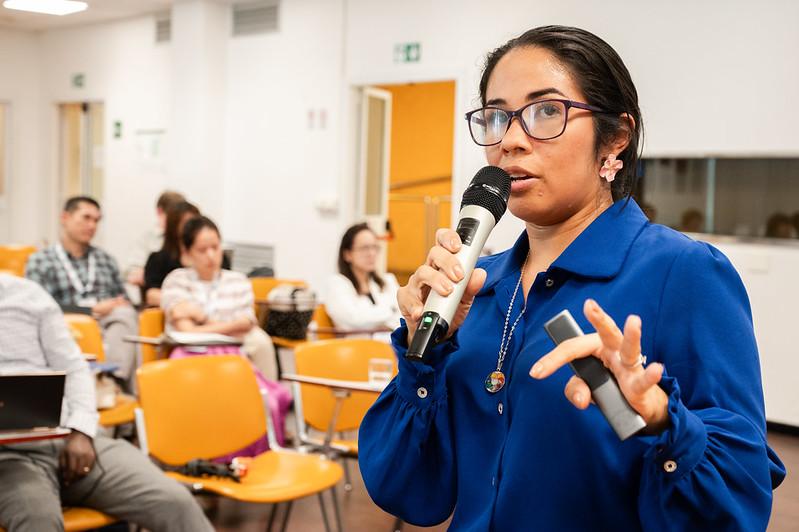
(79, 519)
(151, 325)
(261, 286)
(341, 359)
(87, 333)
(324, 324)
(209, 406)
(13, 258)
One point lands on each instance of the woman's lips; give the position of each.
(521, 183)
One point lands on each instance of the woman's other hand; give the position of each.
(440, 272)
(621, 353)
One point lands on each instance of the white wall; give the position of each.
(130, 73)
(20, 220)
(281, 160)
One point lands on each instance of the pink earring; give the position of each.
(610, 167)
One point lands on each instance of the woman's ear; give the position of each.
(624, 135)
(347, 256)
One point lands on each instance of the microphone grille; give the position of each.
(490, 189)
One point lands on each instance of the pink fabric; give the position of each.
(279, 400)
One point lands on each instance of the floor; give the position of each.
(359, 514)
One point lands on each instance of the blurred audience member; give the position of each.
(358, 297)
(84, 278)
(780, 225)
(151, 240)
(83, 469)
(169, 257)
(206, 298)
(693, 221)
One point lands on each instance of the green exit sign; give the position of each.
(407, 52)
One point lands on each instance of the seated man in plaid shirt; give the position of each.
(78, 274)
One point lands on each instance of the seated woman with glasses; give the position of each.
(206, 298)
(481, 429)
(358, 298)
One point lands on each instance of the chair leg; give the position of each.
(272, 517)
(336, 509)
(286, 516)
(347, 479)
(324, 512)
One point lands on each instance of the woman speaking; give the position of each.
(560, 114)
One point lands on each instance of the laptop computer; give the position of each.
(31, 401)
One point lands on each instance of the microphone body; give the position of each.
(484, 203)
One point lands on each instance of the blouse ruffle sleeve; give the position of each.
(712, 468)
(405, 442)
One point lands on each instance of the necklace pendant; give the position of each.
(495, 381)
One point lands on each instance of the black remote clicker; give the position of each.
(604, 388)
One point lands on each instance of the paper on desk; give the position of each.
(198, 338)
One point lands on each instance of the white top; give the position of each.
(35, 337)
(350, 310)
(227, 298)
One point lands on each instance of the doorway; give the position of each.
(417, 182)
(81, 139)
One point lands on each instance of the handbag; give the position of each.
(290, 311)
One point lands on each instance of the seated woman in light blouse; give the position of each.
(358, 298)
(204, 297)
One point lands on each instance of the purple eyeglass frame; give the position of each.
(568, 104)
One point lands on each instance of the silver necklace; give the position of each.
(496, 379)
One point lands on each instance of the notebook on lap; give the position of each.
(31, 401)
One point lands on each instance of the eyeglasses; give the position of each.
(367, 249)
(542, 120)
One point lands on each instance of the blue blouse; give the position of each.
(525, 458)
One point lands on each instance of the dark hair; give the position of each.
(72, 204)
(174, 215)
(168, 199)
(193, 227)
(776, 224)
(601, 76)
(344, 267)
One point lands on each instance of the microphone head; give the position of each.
(490, 189)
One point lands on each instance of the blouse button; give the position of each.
(421, 392)
(549, 283)
(670, 466)
(499, 408)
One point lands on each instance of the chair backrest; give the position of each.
(13, 258)
(199, 407)
(322, 319)
(261, 286)
(344, 359)
(87, 333)
(151, 325)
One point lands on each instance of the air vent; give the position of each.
(255, 17)
(163, 28)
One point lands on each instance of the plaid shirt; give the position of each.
(45, 268)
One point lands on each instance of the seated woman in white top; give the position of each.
(358, 297)
(206, 298)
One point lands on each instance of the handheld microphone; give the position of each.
(484, 203)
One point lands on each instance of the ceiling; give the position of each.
(98, 11)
